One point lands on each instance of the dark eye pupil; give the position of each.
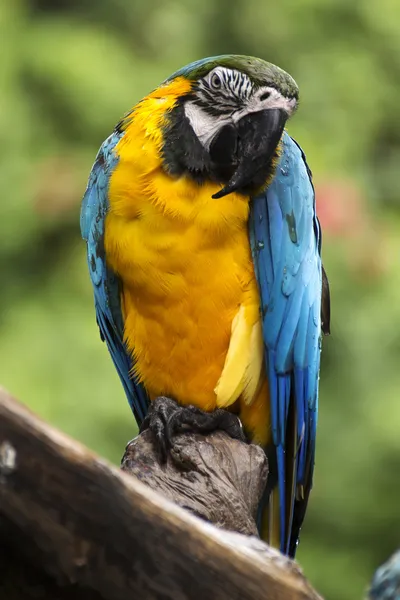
(216, 81)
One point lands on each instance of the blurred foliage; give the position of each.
(68, 71)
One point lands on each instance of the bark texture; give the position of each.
(74, 526)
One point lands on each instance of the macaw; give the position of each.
(385, 583)
(204, 251)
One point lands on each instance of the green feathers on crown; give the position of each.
(260, 72)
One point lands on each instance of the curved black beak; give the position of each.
(258, 135)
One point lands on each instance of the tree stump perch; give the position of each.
(214, 477)
(84, 528)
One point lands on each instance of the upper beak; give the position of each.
(258, 135)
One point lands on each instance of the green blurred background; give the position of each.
(68, 70)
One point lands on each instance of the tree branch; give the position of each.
(84, 522)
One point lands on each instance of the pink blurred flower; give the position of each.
(341, 208)
(344, 215)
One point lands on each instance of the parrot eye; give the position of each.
(216, 81)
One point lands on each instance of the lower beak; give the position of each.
(258, 136)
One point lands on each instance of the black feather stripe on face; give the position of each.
(183, 154)
(231, 96)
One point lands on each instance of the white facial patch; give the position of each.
(204, 125)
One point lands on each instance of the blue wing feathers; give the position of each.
(257, 239)
(273, 387)
(105, 283)
(281, 462)
(285, 240)
(276, 223)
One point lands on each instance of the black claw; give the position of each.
(156, 420)
(166, 419)
(232, 425)
(191, 418)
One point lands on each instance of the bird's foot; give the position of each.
(166, 419)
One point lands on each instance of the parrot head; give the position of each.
(228, 126)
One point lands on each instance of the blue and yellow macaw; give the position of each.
(385, 583)
(204, 251)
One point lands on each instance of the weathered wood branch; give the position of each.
(214, 477)
(85, 523)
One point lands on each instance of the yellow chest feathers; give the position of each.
(185, 265)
